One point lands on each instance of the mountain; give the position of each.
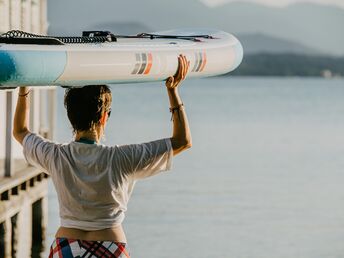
(260, 43)
(159, 15)
(122, 28)
(252, 43)
(311, 25)
(288, 64)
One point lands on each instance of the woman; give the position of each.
(94, 182)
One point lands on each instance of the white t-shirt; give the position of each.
(94, 182)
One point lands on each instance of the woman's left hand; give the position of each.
(173, 82)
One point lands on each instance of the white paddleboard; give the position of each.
(138, 59)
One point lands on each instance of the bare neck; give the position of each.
(93, 135)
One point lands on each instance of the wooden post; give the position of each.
(2, 239)
(7, 230)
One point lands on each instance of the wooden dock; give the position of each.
(23, 189)
(23, 213)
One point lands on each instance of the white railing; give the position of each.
(30, 16)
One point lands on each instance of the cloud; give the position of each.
(276, 3)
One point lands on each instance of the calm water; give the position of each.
(264, 177)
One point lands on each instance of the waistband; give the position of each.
(65, 247)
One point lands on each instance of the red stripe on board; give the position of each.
(204, 62)
(149, 64)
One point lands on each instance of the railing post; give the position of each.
(8, 137)
(52, 113)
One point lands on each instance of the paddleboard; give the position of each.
(44, 61)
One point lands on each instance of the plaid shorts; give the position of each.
(72, 248)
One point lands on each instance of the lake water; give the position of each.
(264, 177)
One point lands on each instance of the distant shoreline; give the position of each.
(288, 64)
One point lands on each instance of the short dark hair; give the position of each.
(86, 105)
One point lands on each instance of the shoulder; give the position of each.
(34, 141)
(33, 138)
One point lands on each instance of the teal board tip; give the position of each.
(8, 69)
(31, 67)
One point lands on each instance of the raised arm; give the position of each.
(21, 117)
(181, 138)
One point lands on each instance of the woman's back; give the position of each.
(94, 182)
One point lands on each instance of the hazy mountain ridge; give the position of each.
(315, 26)
(252, 43)
(312, 25)
(288, 64)
(260, 43)
(122, 28)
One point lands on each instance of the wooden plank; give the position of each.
(18, 178)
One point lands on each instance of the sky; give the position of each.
(277, 3)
